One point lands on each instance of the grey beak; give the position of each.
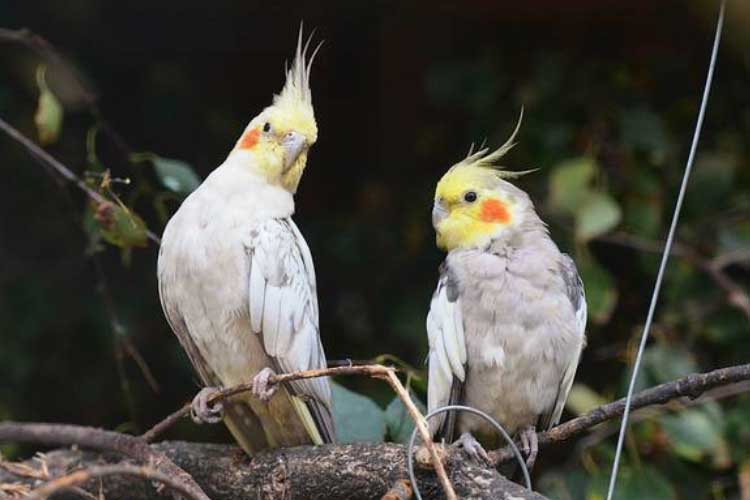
(438, 213)
(294, 143)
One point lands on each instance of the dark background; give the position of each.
(400, 92)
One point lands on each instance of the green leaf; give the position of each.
(664, 363)
(176, 175)
(737, 430)
(563, 484)
(398, 421)
(49, 112)
(583, 399)
(735, 236)
(597, 214)
(569, 183)
(645, 483)
(712, 179)
(120, 227)
(641, 129)
(357, 417)
(601, 293)
(644, 206)
(693, 433)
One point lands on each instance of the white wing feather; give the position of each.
(447, 358)
(284, 302)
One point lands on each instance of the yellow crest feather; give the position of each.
(296, 93)
(483, 158)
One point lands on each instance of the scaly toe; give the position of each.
(204, 412)
(261, 388)
(530, 446)
(472, 448)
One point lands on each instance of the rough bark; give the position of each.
(357, 471)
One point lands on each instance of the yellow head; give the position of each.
(278, 139)
(474, 205)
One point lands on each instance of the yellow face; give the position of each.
(469, 211)
(279, 139)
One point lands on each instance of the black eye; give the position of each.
(470, 197)
(267, 127)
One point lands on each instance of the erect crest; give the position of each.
(486, 159)
(296, 92)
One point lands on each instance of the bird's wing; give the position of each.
(575, 292)
(447, 357)
(283, 307)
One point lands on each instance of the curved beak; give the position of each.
(439, 212)
(293, 143)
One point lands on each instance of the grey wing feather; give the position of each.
(283, 303)
(447, 357)
(576, 294)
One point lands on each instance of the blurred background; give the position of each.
(158, 92)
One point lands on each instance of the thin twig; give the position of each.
(691, 386)
(648, 413)
(122, 338)
(424, 432)
(82, 476)
(47, 51)
(714, 268)
(374, 371)
(44, 158)
(98, 439)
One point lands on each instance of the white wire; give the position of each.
(665, 255)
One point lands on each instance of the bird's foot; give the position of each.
(472, 448)
(529, 445)
(203, 411)
(262, 389)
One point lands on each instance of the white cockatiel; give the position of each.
(237, 283)
(507, 320)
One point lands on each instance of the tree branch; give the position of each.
(98, 439)
(361, 470)
(714, 268)
(374, 371)
(691, 386)
(44, 158)
(80, 477)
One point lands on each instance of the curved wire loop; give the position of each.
(469, 409)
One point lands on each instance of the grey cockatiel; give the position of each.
(237, 283)
(506, 322)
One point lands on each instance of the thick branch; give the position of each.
(691, 386)
(82, 476)
(324, 472)
(98, 439)
(375, 371)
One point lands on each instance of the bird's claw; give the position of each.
(203, 411)
(261, 387)
(529, 445)
(472, 448)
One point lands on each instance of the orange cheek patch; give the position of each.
(249, 139)
(494, 211)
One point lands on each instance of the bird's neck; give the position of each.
(240, 187)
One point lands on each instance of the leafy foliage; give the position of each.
(606, 120)
(357, 417)
(49, 112)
